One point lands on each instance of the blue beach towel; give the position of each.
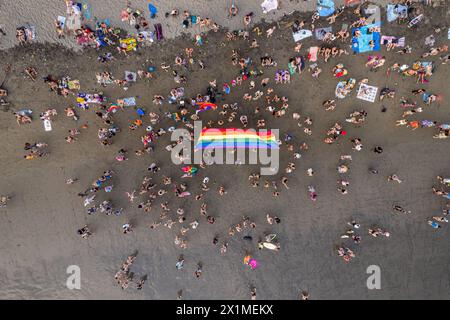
(395, 11)
(140, 112)
(87, 10)
(129, 102)
(152, 10)
(325, 7)
(361, 44)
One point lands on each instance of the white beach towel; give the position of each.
(269, 5)
(367, 93)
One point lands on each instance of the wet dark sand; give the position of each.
(38, 229)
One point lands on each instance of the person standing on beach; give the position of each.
(127, 228)
(253, 293)
(198, 271)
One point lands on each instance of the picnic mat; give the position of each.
(367, 93)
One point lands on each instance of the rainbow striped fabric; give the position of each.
(203, 106)
(236, 138)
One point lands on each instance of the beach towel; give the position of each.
(62, 21)
(86, 9)
(31, 33)
(73, 22)
(321, 32)
(269, 5)
(344, 87)
(130, 76)
(400, 42)
(159, 32)
(361, 44)
(301, 34)
(387, 39)
(226, 88)
(370, 10)
(367, 93)
(78, 6)
(428, 67)
(204, 106)
(47, 125)
(425, 97)
(73, 17)
(74, 85)
(152, 10)
(312, 66)
(235, 138)
(339, 90)
(312, 54)
(130, 43)
(83, 99)
(148, 36)
(127, 102)
(140, 112)
(427, 123)
(415, 21)
(429, 41)
(325, 8)
(25, 112)
(396, 11)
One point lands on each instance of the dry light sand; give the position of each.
(42, 14)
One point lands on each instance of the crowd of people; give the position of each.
(159, 187)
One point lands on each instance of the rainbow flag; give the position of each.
(236, 138)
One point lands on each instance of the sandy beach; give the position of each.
(38, 227)
(43, 13)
